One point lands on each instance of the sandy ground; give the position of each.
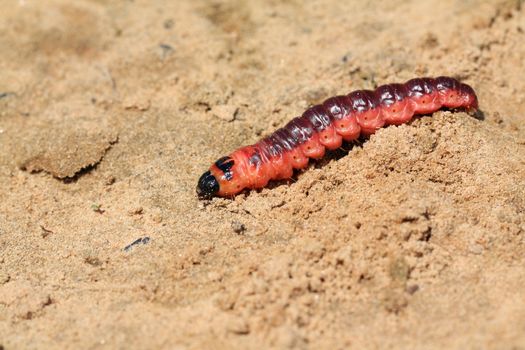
(111, 110)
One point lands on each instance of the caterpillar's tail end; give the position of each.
(473, 106)
(470, 98)
(474, 111)
(208, 186)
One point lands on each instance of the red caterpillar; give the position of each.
(325, 126)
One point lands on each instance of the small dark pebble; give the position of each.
(110, 180)
(166, 47)
(238, 227)
(168, 24)
(136, 211)
(144, 240)
(2, 95)
(166, 50)
(412, 289)
(93, 261)
(97, 208)
(45, 232)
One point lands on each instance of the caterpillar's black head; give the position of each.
(208, 185)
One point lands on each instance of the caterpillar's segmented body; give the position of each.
(325, 126)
